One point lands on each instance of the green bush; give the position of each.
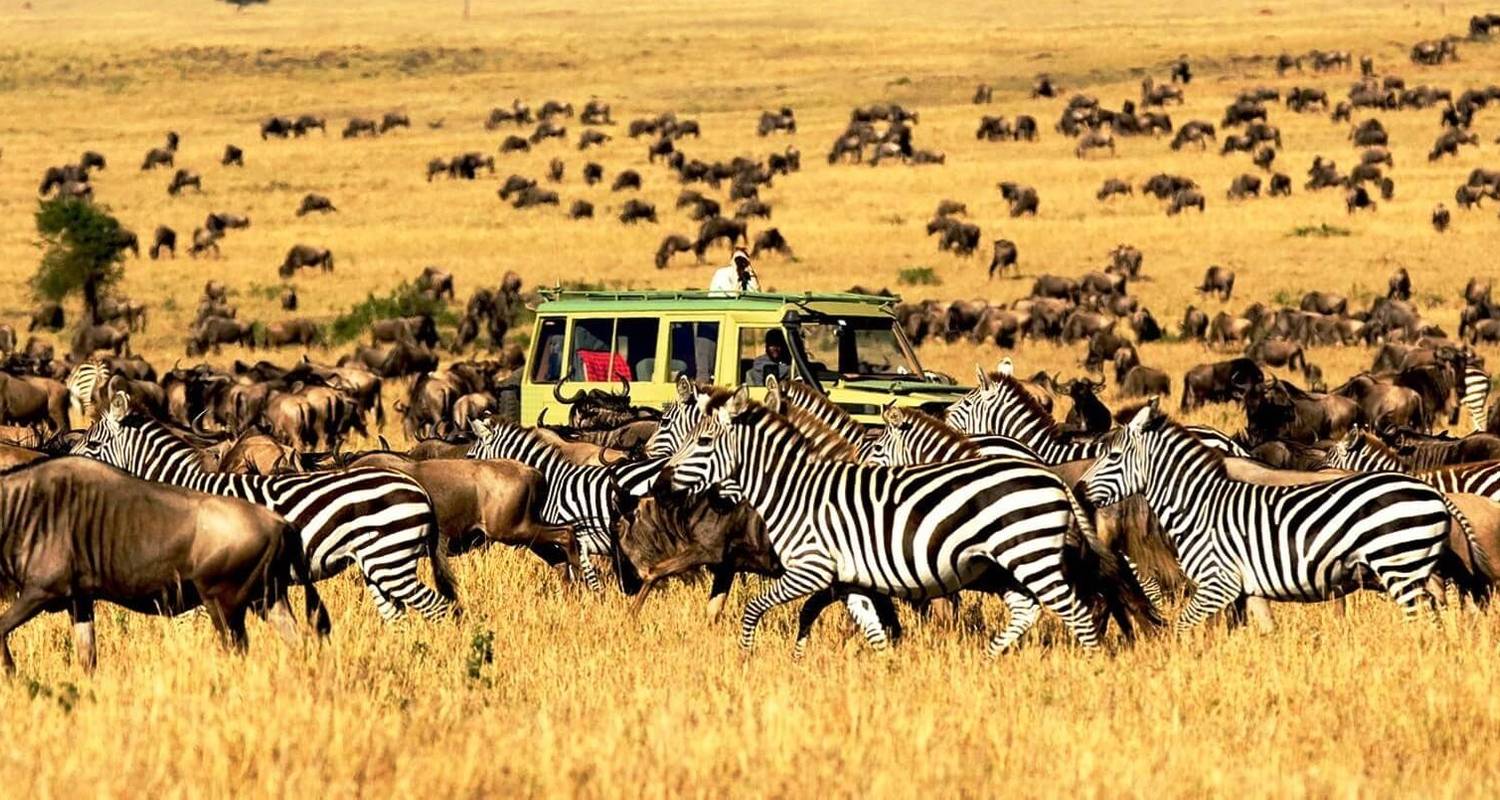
(1321, 231)
(918, 276)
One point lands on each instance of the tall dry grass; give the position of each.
(547, 691)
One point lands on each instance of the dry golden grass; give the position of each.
(579, 697)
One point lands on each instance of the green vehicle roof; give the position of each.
(659, 301)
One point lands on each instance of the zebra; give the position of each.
(582, 496)
(380, 520)
(1361, 451)
(1000, 405)
(912, 532)
(912, 436)
(83, 383)
(1297, 543)
(1476, 389)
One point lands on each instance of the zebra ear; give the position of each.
(775, 398)
(119, 406)
(1006, 366)
(1143, 416)
(738, 402)
(684, 389)
(480, 428)
(889, 414)
(982, 377)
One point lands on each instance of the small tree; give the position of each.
(83, 251)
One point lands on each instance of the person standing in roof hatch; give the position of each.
(737, 276)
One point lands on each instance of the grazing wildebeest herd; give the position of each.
(246, 479)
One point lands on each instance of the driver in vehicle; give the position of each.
(776, 361)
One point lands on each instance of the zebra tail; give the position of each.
(437, 550)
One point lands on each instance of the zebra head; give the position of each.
(1360, 451)
(889, 447)
(679, 421)
(712, 457)
(107, 440)
(964, 413)
(1123, 468)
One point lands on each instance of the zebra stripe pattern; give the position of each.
(379, 520)
(1297, 543)
(1361, 451)
(1476, 390)
(1000, 406)
(83, 383)
(577, 495)
(913, 532)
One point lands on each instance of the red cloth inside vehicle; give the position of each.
(599, 367)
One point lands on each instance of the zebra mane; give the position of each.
(188, 438)
(940, 430)
(802, 395)
(1008, 384)
(1166, 428)
(824, 443)
(756, 413)
(1368, 441)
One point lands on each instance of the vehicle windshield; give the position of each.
(855, 348)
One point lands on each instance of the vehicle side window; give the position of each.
(546, 359)
(635, 346)
(694, 348)
(590, 357)
(763, 353)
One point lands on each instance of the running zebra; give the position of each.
(1294, 543)
(1000, 405)
(83, 384)
(1476, 389)
(914, 532)
(1361, 451)
(582, 496)
(379, 520)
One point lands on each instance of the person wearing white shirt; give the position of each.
(738, 276)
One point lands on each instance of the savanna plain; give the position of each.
(542, 689)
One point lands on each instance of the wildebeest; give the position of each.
(184, 178)
(214, 332)
(1112, 187)
(394, 119)
(1004, 256)
(219, 222)
(515, 184)
(581, 209)
(1218, 280)
(626, 179)
(1187, 198)
(358, 126)
(592, 173)
(535, 196)
(233, 156)
(670, 246)
(204, 239)
(636, 210)
(1357, 198)
(1219, 382)
(159, 157)
(1441, 218)
(515, 144)
(306, 122)
(1245, 185)
(314, 202)
(1281, 185)
(1094, 140)
(302, 332)
(72, 537)
(279, 127)
(1022, 199)
(771, 240)
(48, 315)
(592, 138)
(33, 402)
(305, 255)
(93, 338)
(732, 231)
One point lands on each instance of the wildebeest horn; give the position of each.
(196, 420)
(557, 395)
(625, 381)
(540, 417)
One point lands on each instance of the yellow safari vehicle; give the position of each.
(847, 344)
